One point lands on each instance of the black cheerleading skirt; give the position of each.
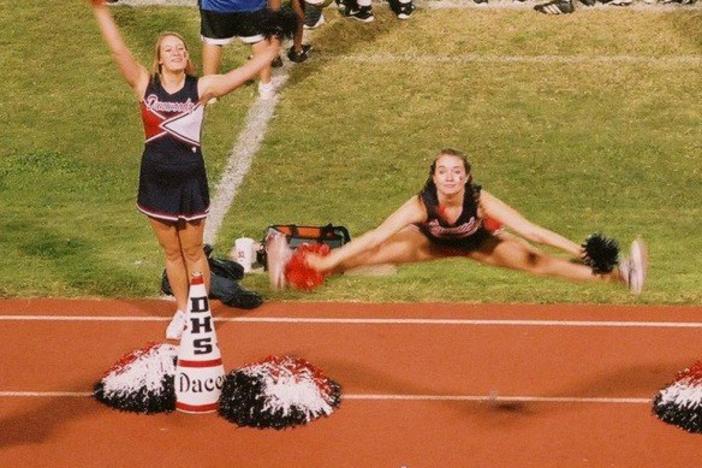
(173, 192)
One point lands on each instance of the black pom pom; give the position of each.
(601, 253)
(281, 23)
(688, 419)
(278, 392)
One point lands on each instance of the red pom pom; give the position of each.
(298, 274)
(492, 225)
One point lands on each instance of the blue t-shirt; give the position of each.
(232, 6)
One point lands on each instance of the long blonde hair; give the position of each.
(156, 66)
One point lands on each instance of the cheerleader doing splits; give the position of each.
(453, 217)
(173, 190)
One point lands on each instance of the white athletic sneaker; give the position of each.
(176, 327)
(277, 256)
(638, 266)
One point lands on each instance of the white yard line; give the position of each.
(382, 58)
(370, 321)
(399, 397)
(241, 157)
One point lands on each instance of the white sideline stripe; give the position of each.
(385, 58)
(371, 321)
(241, 156)
(372, 397)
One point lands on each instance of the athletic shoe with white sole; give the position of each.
(176, 327)
(353, 10)
(277, 256)
(556, 7)
(299, 57)
(638, 266)
(314, 17)
(402, 10)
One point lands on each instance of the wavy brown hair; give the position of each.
(429, 184)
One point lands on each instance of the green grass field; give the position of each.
(602, 133)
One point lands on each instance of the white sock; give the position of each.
(364, 3)
(405, 2)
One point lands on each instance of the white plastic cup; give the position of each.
(245, 252)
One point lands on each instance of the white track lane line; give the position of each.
(396, 397)
(370, 321)
(242, 155)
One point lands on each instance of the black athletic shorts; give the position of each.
(465, 244)
(222, 28)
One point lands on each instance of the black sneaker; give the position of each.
(299, 57)
(363, 14)
(556, 7)
(402, 10)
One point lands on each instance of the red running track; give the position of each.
(425, 385)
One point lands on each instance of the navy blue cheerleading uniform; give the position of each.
(467, 233)
(172, 179)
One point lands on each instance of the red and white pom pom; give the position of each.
(680, 403)
(141, 381)
(278, 392)
(301, 276)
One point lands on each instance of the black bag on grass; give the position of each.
(224, 275)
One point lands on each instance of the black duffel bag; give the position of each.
(224, 277)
